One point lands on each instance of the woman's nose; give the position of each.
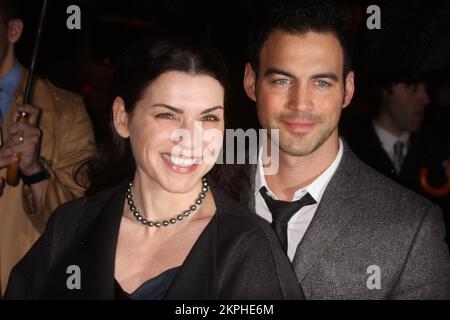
(188, 137)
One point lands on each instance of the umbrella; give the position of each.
(12, 173)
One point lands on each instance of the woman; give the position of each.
(166, 230)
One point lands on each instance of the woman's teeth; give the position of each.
(180, 162)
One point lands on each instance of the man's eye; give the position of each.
(281, 81)
(210, 117)
(165, 115)
(322, 83)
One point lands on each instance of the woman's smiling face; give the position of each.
(173, 128)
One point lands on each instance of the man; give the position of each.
(390, 140)
(57, 136)
(350, 232)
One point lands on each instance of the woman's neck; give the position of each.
(156, 203)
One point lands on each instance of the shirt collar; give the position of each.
(315, 188)
(10, 81)
(387, 139)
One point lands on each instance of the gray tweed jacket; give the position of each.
(370, 238)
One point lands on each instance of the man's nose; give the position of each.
(300, 98)
(422, 95)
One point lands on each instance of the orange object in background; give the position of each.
(437, 192)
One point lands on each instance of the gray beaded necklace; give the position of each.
(165, 223)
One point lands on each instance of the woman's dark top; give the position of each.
(152, 289)
(237, 255)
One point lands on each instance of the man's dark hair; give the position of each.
(384, 81)
(7, 11)
(300, 17)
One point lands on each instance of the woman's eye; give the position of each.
(210, 117)
(165, 115)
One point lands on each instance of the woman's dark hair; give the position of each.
(113, 161)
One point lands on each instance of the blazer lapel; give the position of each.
(333, 214)
(376, 151)
(98, 249)
(197, 278)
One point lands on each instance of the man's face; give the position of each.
(300, 89)
(405, 105)
(10, 33)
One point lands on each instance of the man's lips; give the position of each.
(300, 126)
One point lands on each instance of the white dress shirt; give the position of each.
(388, 141)
(300, 221)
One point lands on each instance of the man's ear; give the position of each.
(15, 28)
(250, 81)
(120, 117)
(349, 88)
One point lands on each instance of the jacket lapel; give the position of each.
(333, 214)
(197, 277)
(376, 151)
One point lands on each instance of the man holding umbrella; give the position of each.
(46, 148)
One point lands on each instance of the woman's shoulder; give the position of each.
(81, 210)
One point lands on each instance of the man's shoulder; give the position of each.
(51, 98)
(63, 99)
(374, 190)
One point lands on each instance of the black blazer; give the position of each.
(237, 256)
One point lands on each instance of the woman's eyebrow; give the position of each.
(177, 110)
(181, 111)
(211, 109)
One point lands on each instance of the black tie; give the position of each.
(398, 156)
(282, 212)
